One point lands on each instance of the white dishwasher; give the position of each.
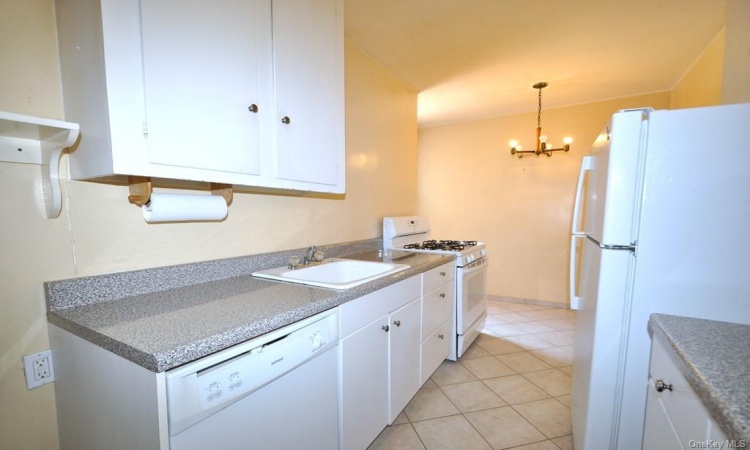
(277, 391)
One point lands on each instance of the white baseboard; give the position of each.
(528, 301)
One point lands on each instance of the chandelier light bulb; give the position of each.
(513, 143)
(568, 140)
(543, 139)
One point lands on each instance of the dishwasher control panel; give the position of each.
(201, 388)
(260, 365)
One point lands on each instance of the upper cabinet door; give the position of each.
(201, 66)
(309, 90)
(188, 90)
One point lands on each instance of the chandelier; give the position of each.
(542, 146)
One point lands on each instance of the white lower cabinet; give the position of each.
(379, 360)
(392, 341)
(403, 348)
(438, 306)
(363, 393)
(434, 349)
(675, 416)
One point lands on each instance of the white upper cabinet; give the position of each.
(200, 71)
(308, 78)
(195, 90)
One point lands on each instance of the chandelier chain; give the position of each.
(539, 111)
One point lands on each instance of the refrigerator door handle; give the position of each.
(574, 298)
(586, 165)
(633, 247)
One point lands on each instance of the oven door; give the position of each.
(471, 295)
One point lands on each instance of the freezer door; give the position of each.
(601, 327)
(613, 189)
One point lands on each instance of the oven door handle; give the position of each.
(475, 266)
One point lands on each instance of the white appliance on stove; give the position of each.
(412, 233)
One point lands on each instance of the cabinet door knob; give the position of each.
(397, 323)
(442, 294)
(253, 108)
(286, 120)
(386, 328)
(441, 336)
(661, 386)
(442, 274)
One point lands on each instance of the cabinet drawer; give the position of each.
(688, 415)
(437, 307)
(432, 279)
(360, 312)
(434, 351)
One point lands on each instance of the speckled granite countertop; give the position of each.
(164, 317)
(715, 359)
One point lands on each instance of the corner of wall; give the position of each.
(735, 88)
(701, 84)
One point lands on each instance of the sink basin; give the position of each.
(333, 273)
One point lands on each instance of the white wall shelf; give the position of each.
(36, 140)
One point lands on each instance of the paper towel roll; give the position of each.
(184, 207)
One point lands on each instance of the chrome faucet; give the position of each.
(310, 255)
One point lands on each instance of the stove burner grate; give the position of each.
(441, 245)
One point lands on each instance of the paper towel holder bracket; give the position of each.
(222, 190)
(141, 189)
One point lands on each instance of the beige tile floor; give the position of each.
(510, 390)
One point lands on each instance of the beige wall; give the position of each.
(736, 88)
(470, 187)
(99, 231)
(701, 83)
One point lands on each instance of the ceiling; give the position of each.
(471, 59)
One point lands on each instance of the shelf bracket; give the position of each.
(53, 148)
(36, 140)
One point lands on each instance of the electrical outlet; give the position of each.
(38, 369)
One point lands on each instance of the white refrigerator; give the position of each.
(661, 224)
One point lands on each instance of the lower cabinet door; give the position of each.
(434, 351)
(658, 433)
(364, 385)
(404, 356)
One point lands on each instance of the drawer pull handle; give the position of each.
(661, 386)
(386, 328)
(442, 295)
(397, 323)
(441, 336)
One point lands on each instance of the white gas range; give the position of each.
(412, 233)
